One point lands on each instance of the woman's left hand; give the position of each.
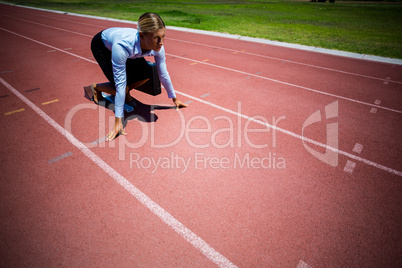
(179, 104)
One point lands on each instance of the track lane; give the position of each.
(335, 95)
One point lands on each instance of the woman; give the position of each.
(120, 53)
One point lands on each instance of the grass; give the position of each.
(367, 28)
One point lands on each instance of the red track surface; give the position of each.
(258, 207)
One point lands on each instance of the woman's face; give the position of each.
(153, 40)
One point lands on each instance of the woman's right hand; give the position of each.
(117, 129)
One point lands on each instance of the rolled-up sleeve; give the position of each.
(164, 76)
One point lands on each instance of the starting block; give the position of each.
(110, 98)
(151, 87)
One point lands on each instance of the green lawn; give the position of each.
(367, 28)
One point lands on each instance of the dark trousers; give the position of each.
(136, 69)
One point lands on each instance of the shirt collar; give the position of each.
(137, 47)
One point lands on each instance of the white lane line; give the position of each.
(368, 162)
(69, 14)
(386, 81)
(48, 26)
(55, 48)
(157, 210)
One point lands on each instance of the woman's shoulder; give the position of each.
(122, 31)
(126, 37)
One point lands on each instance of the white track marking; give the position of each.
(205, 95)
(358, 148)
(68, 13)
(368, 162)
(302, 264)
(349, 167)
(48, 26)
(44, 44)
(60, 157)
(157, 210)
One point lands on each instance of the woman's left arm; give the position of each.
(164, 77)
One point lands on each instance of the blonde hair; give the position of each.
(150, 22)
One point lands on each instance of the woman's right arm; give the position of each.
(119, 58)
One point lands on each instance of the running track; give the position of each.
(237, 182)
